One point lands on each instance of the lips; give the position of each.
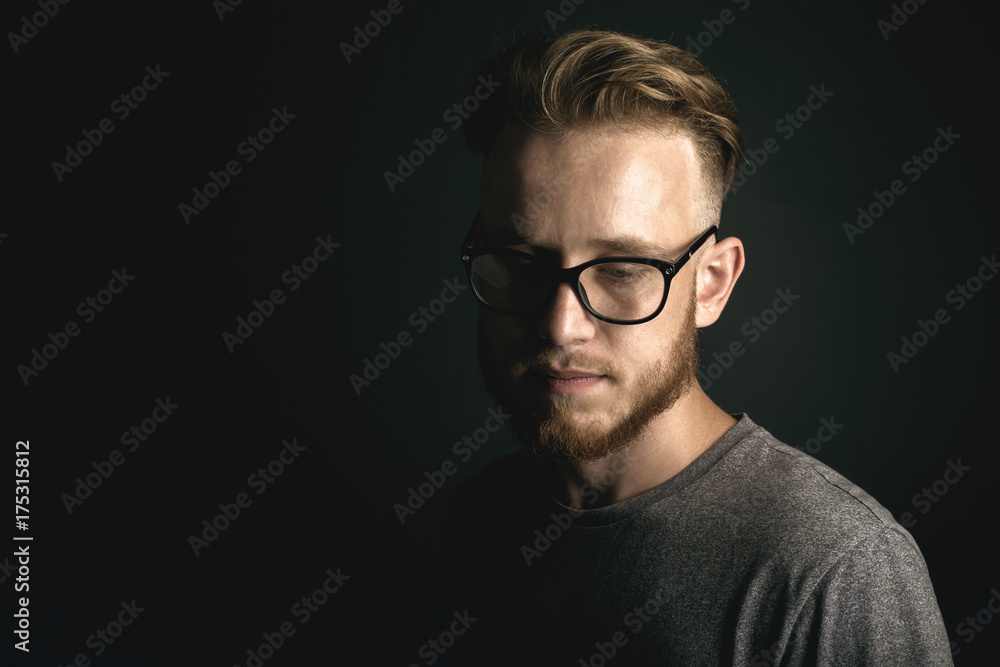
(565, 374)
(567, 381)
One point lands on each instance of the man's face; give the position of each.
(580, 388)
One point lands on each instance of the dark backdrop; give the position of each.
(887, 92)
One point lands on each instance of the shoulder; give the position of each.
(797, 503)
(839, 556)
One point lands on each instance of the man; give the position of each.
(642, 523)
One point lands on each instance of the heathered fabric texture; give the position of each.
(755, 554)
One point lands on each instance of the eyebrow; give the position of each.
(625, 246)
(622, 245)
(631, 245)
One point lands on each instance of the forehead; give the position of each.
(592, 187)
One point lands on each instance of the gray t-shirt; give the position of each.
(755, 554)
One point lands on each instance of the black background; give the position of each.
(323, 176)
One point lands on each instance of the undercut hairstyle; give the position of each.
(601, 79)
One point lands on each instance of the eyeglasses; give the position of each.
(619, 290)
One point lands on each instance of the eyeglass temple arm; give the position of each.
(714, 229)
(467, 241)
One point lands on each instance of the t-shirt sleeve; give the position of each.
(875, 606)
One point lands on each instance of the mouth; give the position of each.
(567, 381)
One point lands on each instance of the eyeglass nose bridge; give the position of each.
(571, 276)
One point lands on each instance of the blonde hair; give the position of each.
(602, 78)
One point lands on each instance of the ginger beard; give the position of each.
(552, 433)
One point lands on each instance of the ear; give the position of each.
(718, 271)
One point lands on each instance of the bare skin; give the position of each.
(593, 194)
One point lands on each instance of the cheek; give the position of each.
(631, 352)
(635, 352)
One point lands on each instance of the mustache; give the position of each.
(562, 359)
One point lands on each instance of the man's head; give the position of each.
(604, 145)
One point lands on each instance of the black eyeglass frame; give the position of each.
(572, 275)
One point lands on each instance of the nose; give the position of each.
(564, 321)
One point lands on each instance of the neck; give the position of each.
(671, 442)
